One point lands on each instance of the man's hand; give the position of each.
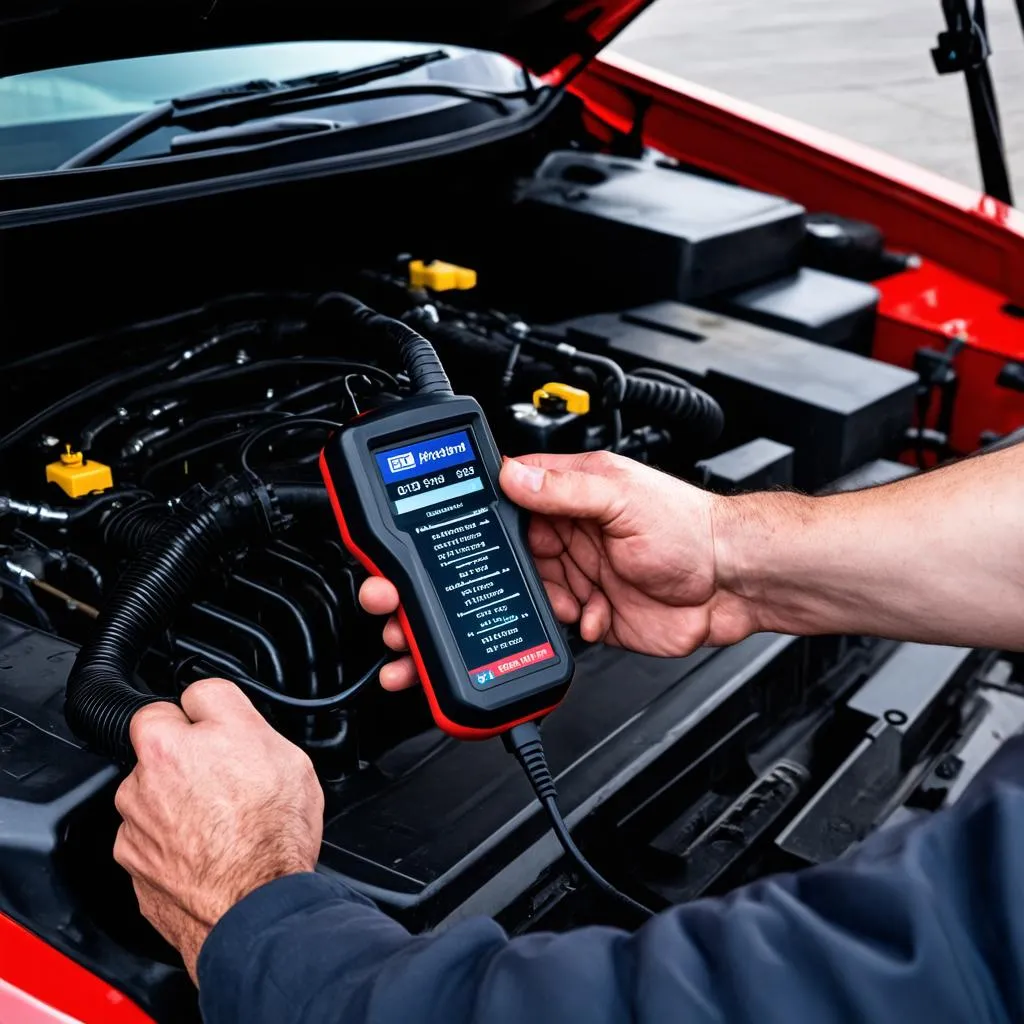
(626, 551)
(218, 805)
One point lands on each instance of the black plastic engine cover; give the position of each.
(633, 231)
(810, 304)
(837, 410)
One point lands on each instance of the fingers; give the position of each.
(545, 484)
(399, 674)
(216, 700)
(122, 850)
(544, 539)
(563, 604)
(378, 596)
(596, 618)
(393, 635)
(126, 794)
(151, 724)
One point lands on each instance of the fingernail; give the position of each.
(531, 477)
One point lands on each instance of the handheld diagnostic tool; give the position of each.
(415, 492)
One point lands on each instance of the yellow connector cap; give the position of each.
(76, 477)
(576, 399)
(441, 277)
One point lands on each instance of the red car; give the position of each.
(607, 257)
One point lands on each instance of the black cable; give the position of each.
(314, 703)
(181, 457)
(288, 424)
(93, 390)
(173, 320)
(237, 416)
(270, 410)
(220, 374)
(308, 389)
(98, 388)
(524, 742)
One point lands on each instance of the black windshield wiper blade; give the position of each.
(238, 102)
(252, 134)
(253, 95)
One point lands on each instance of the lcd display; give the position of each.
(440, 494)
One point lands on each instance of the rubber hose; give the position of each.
(133, 528)
(478, 362)
(130, 530)
(420, 361)
(303, 500)
(679, 402)
(457, 339)
(101, 695)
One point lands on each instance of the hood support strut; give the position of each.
(964, 47)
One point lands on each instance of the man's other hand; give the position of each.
(218, 805)
(626, 551)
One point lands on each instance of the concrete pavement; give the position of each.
(861, 69)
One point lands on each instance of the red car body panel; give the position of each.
(39, 985)
(972, 245)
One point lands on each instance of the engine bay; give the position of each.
(592, 302)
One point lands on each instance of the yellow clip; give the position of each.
(441, 277)
(76, 477)
(576, 399)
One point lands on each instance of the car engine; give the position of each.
(590, 302)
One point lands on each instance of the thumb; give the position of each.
(575, 493)
(216, 700)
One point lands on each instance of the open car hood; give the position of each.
(543, 34)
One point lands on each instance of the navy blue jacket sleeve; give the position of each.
(926, 924)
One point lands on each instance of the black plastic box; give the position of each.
(631, 231)
(758, 465)
(871, 474)
(835, 409)
(810, 304)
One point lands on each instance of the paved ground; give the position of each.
(860, 68)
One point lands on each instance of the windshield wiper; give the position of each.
(234, 103)
(255, 133)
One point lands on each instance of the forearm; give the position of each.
(934, 558)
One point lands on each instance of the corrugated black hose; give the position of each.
(419, 360)
(665, 395)
(101, 695)
(127, 531)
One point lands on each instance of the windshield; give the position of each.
(48, 116)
